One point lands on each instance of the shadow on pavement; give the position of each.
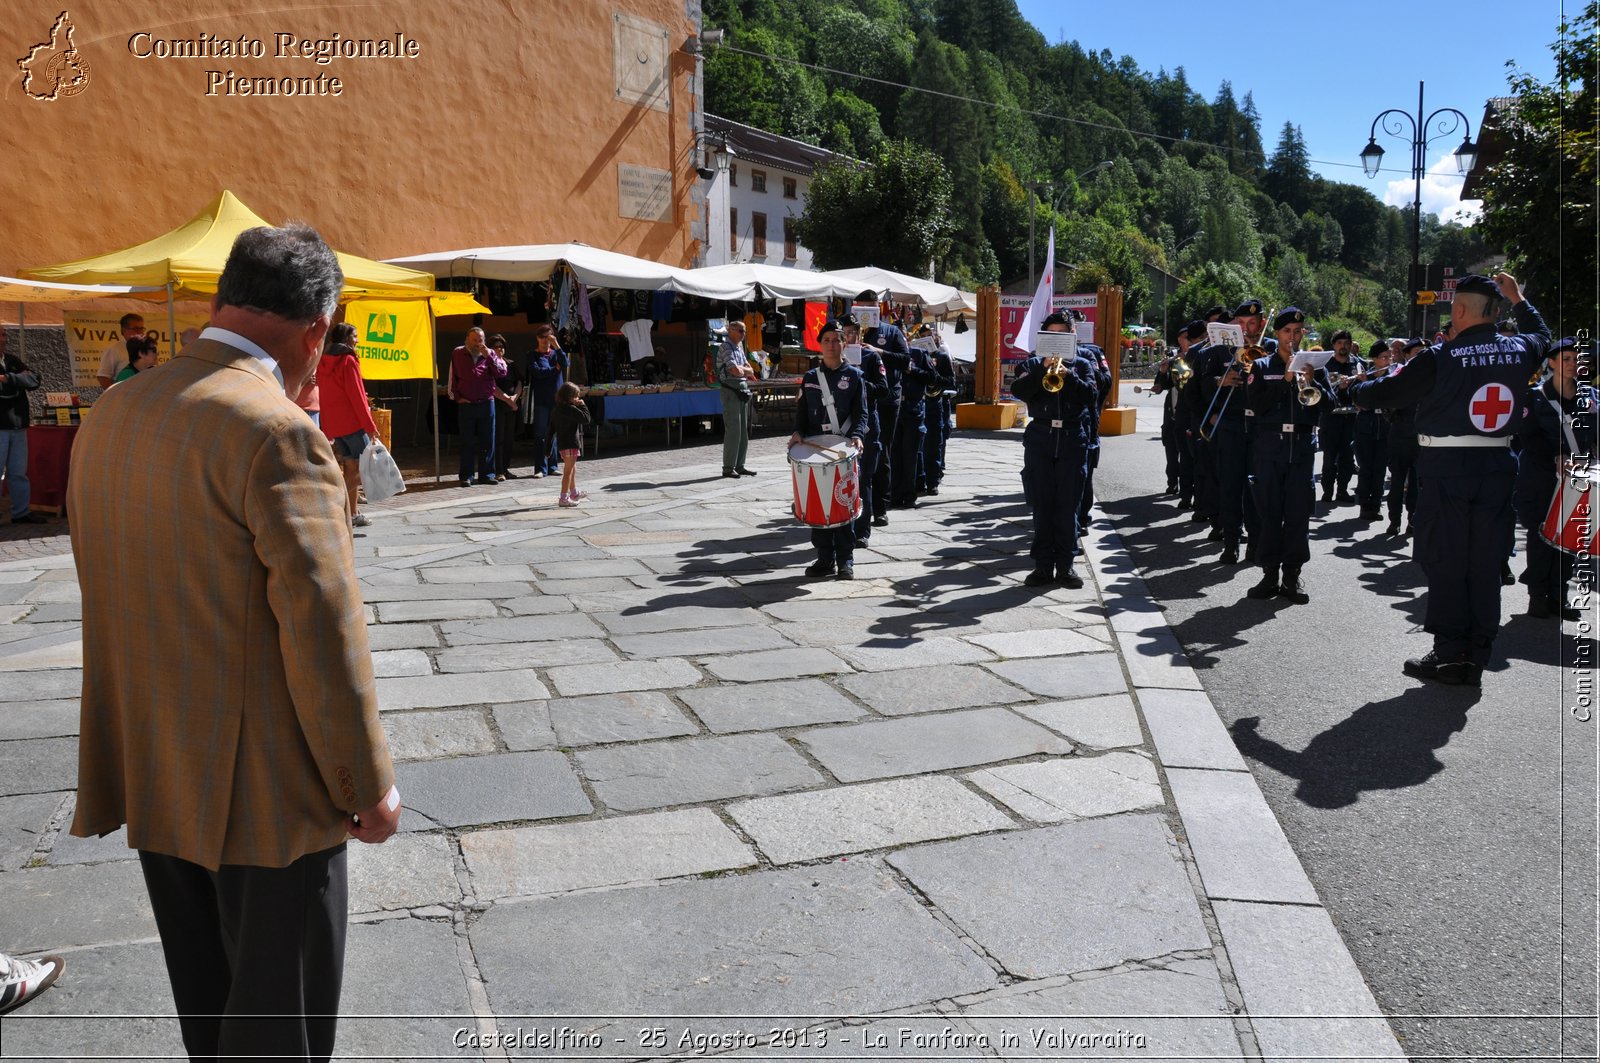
(1384, 745)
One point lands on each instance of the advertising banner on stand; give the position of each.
(90, 332)
(394, 339)
(1013, 308)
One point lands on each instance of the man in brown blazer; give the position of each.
(229, 715)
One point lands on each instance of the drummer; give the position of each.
(833, 402)
(1557, 430)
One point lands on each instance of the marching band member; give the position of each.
(833, 401)
(1402, 453)
(1371, 435)
(910, 431)
(1055, 454)
(1337, 431)
(1229, 428)
(1284, 450)
(1557, 431)
(936, 415)
(1205, 455)
(876, 376)
(1102, 383)
(1180, 464)
(1466, 393)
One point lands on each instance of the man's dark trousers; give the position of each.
(1464, 519)
(888, 421)
(1337, 432)
(253, 941)
(1235, 508)
(475, 421)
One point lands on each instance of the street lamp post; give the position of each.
(1372, 161)
(1034, 186)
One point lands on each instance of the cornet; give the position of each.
(1054, 379)
(1309, 394)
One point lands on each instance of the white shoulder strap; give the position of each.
(827, 401)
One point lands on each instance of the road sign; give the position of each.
(1425, 298)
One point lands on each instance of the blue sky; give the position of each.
(1332, 67)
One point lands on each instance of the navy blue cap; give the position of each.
(1477, 284)
(1379, 346)
(1195, 330)
(1413, 343)
(1289, 315)
(1565, 343)
(1057, 318)
(830, 326)
(1248, 308)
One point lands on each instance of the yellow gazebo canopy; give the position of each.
(190, 258)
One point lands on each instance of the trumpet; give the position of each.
(1309, 394)
(1054, 379)
(1243, 359)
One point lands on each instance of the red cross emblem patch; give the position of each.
(1490, 407)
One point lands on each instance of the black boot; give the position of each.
(1067, 577)
(1293, 588)
(822, 567)
(1268, 587)
(1230, 554)
(1539, 607)
(1042, 575)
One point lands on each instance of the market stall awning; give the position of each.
(759, 280)
(17, 290)
(593, 266)
(904, 288)
(190, 258)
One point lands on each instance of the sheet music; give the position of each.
(1220, 335)
(1084, 330)
(925, 343)
(866, 315)
(1314, 359)
(1063, 345)
(852, 353)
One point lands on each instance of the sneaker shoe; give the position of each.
(1424, 667)
(820, 568)
(847, 570)
(578, 494)
(1294, 588)
(1041, 576)
(22, 980)
(361, 520)
(538, 474)
(880, 522)
(861, 544)
(1067, 576)
(566, 502)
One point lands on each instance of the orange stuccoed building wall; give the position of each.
(396, 127)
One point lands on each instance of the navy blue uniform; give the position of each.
(1180, 476)
(1055, 449)
(876, 376)
(905, 466)
(1372, 458)
(1202, 454)
(1284, 452)
(936, 420)
(896, 356)
(1466, 392)
(1402, 461)
(1102, 384)
(1544, 427)
(1337, 435)
(849, 391)
(1231, 439)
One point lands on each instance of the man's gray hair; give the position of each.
(1475, 304)
(287, 272)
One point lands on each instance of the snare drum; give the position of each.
(825, 470)
(1569, 526)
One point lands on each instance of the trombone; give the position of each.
(1243, 359)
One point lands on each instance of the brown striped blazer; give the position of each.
(229, 714)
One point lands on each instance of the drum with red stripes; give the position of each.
(825, 470)
(1569, 526)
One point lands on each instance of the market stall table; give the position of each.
(669, 406)
(49, 456)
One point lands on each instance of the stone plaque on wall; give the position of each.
(644, 193)
(640, 62)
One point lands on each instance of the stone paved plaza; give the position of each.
(665, 793)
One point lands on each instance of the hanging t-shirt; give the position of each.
(661, 306)
(637, 332)
(752, 326)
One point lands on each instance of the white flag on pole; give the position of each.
(1034, 321)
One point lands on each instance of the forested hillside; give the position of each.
(1144, 166)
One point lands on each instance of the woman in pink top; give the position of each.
(346, 415)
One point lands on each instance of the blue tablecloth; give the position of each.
(661, 405)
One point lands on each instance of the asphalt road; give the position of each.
(1437, 823)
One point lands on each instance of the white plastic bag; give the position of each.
(380, 476)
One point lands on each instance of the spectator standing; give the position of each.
(546, 373)
(507, 397)
(474, 372)
(347, 415)
(242, 747)
(568, 419)
(142, 356)
(16, 380)
(116, 356)
(734, 374)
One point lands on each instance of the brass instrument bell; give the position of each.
(1054, 379)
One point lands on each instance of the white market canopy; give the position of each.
(904, 288)
(20, 290)
(776, 282)
(594, 266)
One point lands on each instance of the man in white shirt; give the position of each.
(116, 355)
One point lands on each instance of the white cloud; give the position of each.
(1441, 192)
